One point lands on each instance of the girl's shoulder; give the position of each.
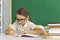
(29, 22)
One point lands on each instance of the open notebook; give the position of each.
(26, 35)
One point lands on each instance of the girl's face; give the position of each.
(21, 19)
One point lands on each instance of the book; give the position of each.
(27, 35)
(54, 30)
(54, 24)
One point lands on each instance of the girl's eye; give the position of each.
(21, 19)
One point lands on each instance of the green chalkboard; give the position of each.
(41, 11)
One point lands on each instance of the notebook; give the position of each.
(26, 35)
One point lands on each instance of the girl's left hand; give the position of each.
(26, 32)
(22, 32)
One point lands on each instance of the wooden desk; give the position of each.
(8, 37)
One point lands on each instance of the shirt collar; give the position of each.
(26, 24)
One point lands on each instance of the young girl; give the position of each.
(23, 24)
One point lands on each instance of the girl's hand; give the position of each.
(22, 32)
(12, 33)
(26, 32)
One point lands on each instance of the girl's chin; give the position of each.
(22, 24)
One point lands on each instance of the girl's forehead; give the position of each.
(20, 16)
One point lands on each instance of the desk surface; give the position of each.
(8, 37)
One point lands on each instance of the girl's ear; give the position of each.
(27, 17)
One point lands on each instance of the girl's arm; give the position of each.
(36, 30)
(10, 31)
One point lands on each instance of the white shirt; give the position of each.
(28, 26)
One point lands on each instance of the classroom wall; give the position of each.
(41, 11)
(5, 14)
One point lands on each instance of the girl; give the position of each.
(23, 24)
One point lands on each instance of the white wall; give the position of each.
(5, 14)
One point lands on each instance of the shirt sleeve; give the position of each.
(41, 27)
(32, 26)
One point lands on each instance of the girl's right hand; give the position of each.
(12, 33)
